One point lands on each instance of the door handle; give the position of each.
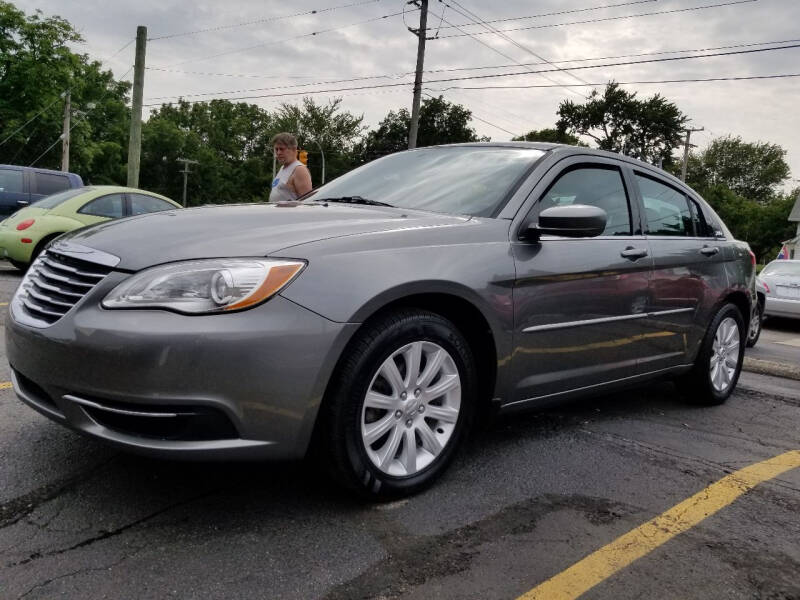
(709, 250)
(633, 253)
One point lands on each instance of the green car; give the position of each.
(24, 234)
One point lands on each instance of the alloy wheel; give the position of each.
(725, 355)
(411, 408)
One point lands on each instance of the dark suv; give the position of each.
(20, 186)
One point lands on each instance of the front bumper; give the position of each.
(782, 307)
(253, 379)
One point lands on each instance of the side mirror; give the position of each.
(575, 221)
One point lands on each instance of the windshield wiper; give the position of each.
(353, 200)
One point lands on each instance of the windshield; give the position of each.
(467, 180)
(56, 199)
(782, 268)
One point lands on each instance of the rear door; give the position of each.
(13, 192)
(689, 269)
(580, 303)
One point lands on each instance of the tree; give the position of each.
(550, 135)
(752, 170)
(36, 69)
(617, 121)
(440, 122)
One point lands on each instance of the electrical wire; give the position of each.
(60, 138)
(283, 41)
(512, 74)
(604, 19)
(263, 20)
(330, 91)
(398, 75)
(565, 12)
(477, 118)
(33, 118)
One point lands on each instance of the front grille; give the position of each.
(55, 283)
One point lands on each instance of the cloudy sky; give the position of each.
(269, 54)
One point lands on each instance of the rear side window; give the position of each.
(50, 183)
(594, 186)
(666, 209)
(11, 181)
(111, 206)
(141, 204)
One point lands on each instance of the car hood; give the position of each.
(242, 230)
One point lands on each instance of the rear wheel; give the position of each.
(719, 362)
(401, 404)
(756, 322)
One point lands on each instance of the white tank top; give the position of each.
(281, 192)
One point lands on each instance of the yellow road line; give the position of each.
(3, 303)
(620, 553)
(4, 385)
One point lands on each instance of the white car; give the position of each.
(781, 279)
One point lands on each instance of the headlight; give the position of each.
(205, 286)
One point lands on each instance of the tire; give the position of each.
(386, 447)
(757, 320)
(714, 375)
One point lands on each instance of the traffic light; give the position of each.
(302, 156)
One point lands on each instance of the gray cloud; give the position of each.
(756, 110)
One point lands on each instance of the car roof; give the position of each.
(123, 189)
(37, 169)
(567, 150)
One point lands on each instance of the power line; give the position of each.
(33, 118)
(315, 11)
(297, 37)
(642, 82)
(603, 19)
(514, 42)
(563, 12)
(398, 75)
(490, 87)
(512, 74)
(53, 145)
(493, 49)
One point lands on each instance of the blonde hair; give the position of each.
(287, 139)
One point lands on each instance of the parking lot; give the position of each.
(529, 498)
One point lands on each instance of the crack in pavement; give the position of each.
(103, 535)
(79, 572)
(20, 507)
(412, 560)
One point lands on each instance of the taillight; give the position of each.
(25, 224)
(766, 287)
(752, 257)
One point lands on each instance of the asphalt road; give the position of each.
(530, 496)
(779, 341)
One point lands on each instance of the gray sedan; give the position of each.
(781, 282)
(378, 319)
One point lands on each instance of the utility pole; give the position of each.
(65, 135)
(135, 140)
(186, 162)
(421, 34)
(686, 147)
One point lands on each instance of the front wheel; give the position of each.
(719, 362)
(756, 322)
(403, 400)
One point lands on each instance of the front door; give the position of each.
(580, 305)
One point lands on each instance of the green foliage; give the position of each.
(752, 170)
(550, 135)
(619, 122)
(36, 67)
(763, 225)
(440, 122)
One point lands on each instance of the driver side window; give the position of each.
(593, 186)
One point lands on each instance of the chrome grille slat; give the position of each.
(54, 284)
(54, 265)
(52, 288)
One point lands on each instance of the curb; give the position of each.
(768, 367)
